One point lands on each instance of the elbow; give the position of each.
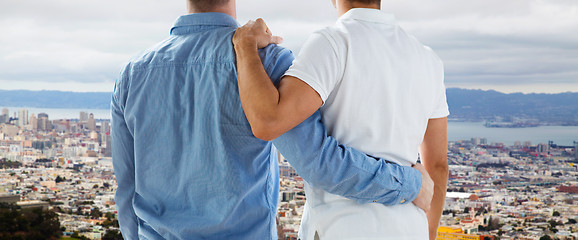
(263, 134)
(441, 169)
(266, 130)
(442, 165)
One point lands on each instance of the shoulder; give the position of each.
(135, 64)
(426, 50)
(276, 60)
(275, 53)
(335, 35)
(432, 54)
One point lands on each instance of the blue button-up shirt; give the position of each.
(186, 161)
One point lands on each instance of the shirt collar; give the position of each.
(369, 15)
(206, 19)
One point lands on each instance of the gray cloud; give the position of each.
(515, 45)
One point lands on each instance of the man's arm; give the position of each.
(434, 157)
(271, 110)
(347, 172)
(123, 163)
(341, 170)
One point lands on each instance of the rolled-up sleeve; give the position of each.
(345, 171)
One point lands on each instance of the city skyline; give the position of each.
(515, 46)
(519, 191)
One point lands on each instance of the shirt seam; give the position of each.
(309, 80)
(267, 192)
(329, 37)
(182, 64)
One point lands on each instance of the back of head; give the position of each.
(207, 5)
(372, 2)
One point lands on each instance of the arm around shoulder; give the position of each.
(270, 110)
(345, 171)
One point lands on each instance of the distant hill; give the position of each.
(55, 99)
(467, 105)
(477, 105)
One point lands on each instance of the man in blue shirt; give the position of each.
(186, 162)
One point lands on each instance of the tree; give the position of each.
(109, 215)
(556, 214)
(553, 223)
(546, 237)
(112, 235)
(493, 224)
(481, 211)
(47, 224)
(4, 163)
(95, 213)
(30, 224)
(58, 179)
(76, 235)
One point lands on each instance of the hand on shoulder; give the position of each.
(255, 34)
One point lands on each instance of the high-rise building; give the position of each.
(22, 117)
(4, 117)
(542, 148)
(33, 122)
(479, 141)
(43, 122)
(105, 127)
(83, 117)
(576, 150)
(108, 149)
(91, 123)
(483, 141)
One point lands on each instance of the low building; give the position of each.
(453, 233)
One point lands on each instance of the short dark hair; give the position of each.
(367, 1)
(207, 5)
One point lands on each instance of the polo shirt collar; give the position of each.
(206, 19)
(369, 15)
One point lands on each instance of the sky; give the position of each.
(509, 46)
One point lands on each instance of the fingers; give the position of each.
(425, 195)
(256, 33)
(261, 24)
(276, 40)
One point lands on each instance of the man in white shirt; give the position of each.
(380, 90)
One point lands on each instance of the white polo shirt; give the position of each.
(380, 86)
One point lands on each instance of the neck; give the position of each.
(229, 8)
(345, 5)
